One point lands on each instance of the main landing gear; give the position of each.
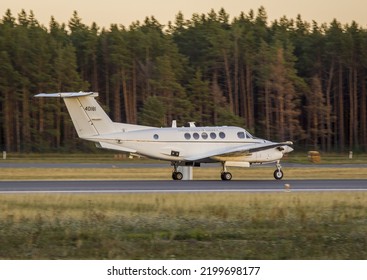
(225, 175)
(176, 175)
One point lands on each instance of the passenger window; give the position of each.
(196, 136)
(241, 135)
(155, 136)
(204, 135)
(213, 135)
(222, 135)
(187, 136)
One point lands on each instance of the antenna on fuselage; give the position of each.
(190, 124)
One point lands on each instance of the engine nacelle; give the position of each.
(265, 155)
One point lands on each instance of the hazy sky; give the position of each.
(105, 12)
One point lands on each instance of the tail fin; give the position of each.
(88, 117)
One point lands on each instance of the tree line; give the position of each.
(284, 80)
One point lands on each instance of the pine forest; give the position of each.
(288, 79)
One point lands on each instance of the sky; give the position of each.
(106, 12)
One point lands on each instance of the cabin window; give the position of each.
(213, 135)
(204, 135)
(155, 136)
(187, 136)
(196, 136)
(241, 135)
(222, 135)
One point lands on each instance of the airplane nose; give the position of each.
(287, 149)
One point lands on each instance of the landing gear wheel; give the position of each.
(226, 176)
(177, 176)
(278, 174)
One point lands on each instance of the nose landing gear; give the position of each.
(278, 173)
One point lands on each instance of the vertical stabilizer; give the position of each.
(88, 117)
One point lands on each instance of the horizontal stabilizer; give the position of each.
(88, 117)
(67, 94)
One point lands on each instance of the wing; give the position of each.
(239, 151)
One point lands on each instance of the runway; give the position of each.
(12, 187)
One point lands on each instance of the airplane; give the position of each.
(182, 146)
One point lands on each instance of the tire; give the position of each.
(278, 174)
(177, 176)
(226, 176)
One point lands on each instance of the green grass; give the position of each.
(184, 226)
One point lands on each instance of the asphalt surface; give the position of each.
(110, 186)
(180, 186)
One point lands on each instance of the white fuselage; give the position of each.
(191, 144)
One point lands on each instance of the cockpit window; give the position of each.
(248, 135)
(241, 135)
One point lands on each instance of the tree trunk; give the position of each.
(58, 123)
(7, 122)
(328, 107)
(17, 127)
(26, 123)
(236, 95)
(250, 102)
(229, 81)
(134, 92)
(363, 116)
(126, 96)
(341, 110)
(267, 111)
(243, 94)
(116, 102)
(355, 108)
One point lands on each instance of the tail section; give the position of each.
(88, 117)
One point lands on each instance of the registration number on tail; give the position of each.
(90, 108)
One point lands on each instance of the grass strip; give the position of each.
(184, 226)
